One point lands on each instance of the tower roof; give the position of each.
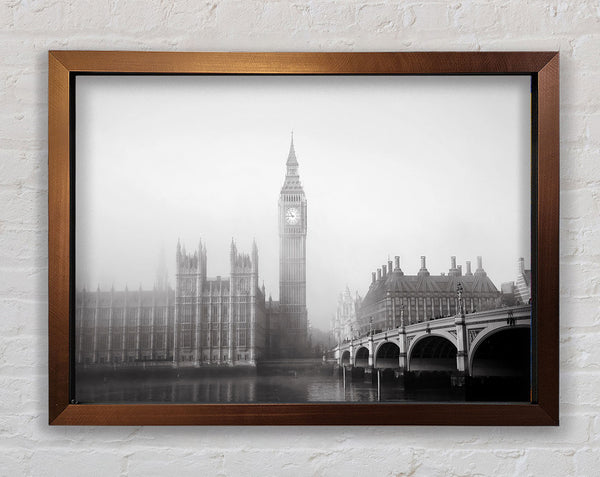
(292, 178)
(291, 160)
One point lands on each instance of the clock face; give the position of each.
(292, 216)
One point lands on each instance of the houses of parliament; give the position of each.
(206, 320)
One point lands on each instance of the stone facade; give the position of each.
(394, 298)
(523, 282)
(204, 321)
(345, 321)
(288, 317)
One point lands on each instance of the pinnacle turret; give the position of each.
(292, 176)
(291, 160)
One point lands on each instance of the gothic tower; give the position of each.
(190, 280)
(292, 261)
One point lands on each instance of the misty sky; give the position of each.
(407, 166)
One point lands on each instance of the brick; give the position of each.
(333, 16)
(90, 15)
(581, 276)
(573, 126)
(548, 462)
(31, 354)
(592, 130)
(380, 18)
(23, 206)
(23, 168)
(581, 89)
(29, 28)
(15, 461)
(182, 16)
(585, 52)
(182, 462)
(92, 463)
(580, 388)
(577, 351)
(23, 317)
(587, 462)
(43, 15)
(579, 203)
(17, 395)
(582, 171)
(582, 311)
(432, 16)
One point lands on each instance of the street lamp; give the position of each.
(459, 291)
(402, 323)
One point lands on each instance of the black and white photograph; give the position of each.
(298, 239)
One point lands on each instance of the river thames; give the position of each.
(255, 388)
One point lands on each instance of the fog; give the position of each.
(407, 166)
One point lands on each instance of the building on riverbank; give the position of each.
(206, 321)
(344, 323)
(394, 298)
(203, 321)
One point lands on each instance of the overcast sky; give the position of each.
(407, 166)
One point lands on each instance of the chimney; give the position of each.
(452, 262)
(423, 272)
(373, 277)
(379, 274)
(384, 270)
(480, 272)
(397, 259)
(469, 268)
(390, 267)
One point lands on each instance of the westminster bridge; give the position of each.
(486, 343)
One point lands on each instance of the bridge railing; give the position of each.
(516, 312)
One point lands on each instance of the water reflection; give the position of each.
(250, 389)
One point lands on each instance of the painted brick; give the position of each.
(587, 462)
(588, 313)
(92, 463)
(380, 18)
(30, 28)
(548, 462)
(15, 462)
(184, 462)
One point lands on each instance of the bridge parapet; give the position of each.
(466, 334)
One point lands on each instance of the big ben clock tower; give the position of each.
(292, 262)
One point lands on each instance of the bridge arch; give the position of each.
(501, 351)
(361, 359)
(387, 355)
(346, 358)
(432, 352)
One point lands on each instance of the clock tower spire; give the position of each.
(292, 260)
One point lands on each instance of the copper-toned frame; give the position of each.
(543, 68)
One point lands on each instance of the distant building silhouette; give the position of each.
(203, 321)
(518, 291)
(345, 321)
(523, 282)
(206, 321)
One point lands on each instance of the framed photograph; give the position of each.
(303, 238)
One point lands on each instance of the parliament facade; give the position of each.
(206, 320)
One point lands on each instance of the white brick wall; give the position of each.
(29, 28)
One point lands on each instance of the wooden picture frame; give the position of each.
(542, 67)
